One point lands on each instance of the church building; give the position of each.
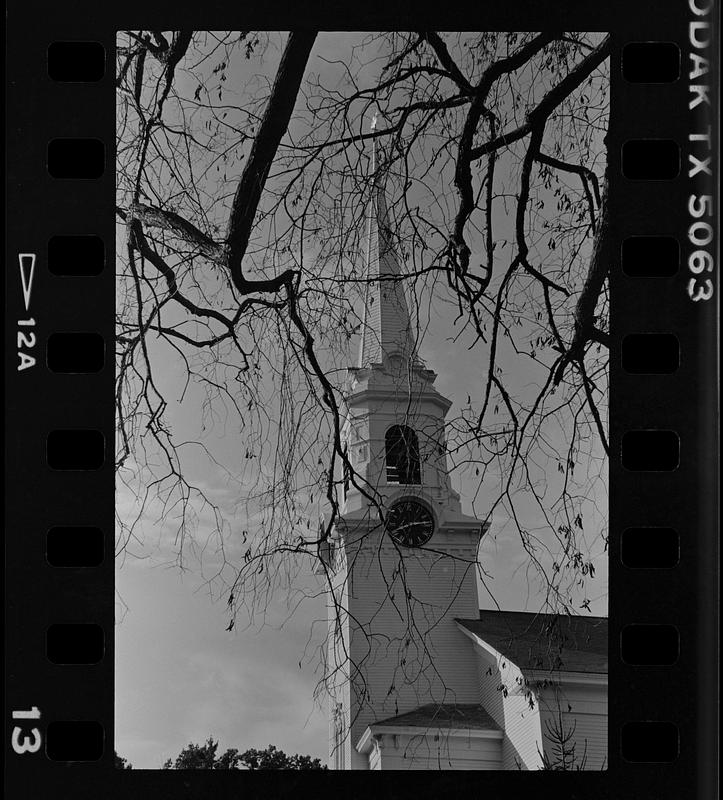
(418, 676)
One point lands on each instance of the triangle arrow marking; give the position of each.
(27, 272)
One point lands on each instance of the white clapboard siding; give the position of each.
(379, 635)
(436, 752)
(520, 723)
(584, 708)
(521, 745)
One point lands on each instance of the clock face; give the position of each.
(410, 523)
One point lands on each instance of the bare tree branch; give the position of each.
(273, 126)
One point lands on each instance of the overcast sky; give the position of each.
(181, 677)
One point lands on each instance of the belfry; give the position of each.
(407, 687)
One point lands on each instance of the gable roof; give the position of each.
(545, 641)
(443, 715)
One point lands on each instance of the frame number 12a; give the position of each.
(26, 338)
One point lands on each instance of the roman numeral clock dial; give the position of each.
(410, 523)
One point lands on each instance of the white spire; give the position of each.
(387, 326)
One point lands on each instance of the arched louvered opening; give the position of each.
(402, 451)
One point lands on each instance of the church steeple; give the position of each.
(402, 563)
(387, 326)
(394, 430)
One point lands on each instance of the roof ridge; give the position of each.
(579, 644)
(442, 715)
(502, 612)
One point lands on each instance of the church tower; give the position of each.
(403, 561)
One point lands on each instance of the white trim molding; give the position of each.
(366, 741)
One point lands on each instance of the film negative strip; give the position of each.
(75, 246)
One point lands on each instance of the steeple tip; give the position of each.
(387, 327)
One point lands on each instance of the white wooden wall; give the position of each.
(521, 724)
(586, 708)
(436, 752)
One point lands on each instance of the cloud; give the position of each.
(180, 677)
